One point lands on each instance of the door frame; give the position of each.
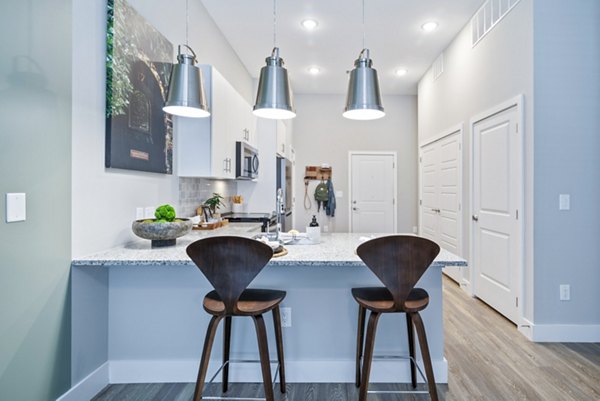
(517, 102)
(458, 128)
(395, 168)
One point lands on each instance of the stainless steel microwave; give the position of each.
(246, 161)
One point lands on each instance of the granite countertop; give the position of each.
(335, 249)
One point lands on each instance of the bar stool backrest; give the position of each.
(398, 261)
(230, 264)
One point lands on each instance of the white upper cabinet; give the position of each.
(244, 120)
(281, 139)
(205, 147)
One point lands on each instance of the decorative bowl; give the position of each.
(161, 234)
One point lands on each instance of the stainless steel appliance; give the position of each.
(267, 220)
(246, 161)
(284, 181)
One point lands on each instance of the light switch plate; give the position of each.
(16, 207)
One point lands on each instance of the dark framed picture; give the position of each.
(139, 135)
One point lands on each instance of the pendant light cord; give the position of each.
(274, 23)
(187, 22)
(363, 22)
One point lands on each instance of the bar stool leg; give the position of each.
(226, 346)
(279, 343)
(360, 335)
(418, 322)
(368, 358)
(411, 350)
(208, 342)
(263, 350)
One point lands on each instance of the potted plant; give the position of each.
(214, 202)
(164, 229)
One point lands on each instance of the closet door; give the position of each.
(440, 215)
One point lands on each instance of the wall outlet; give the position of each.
(139, 213)
(565, 292)
(564, 202)
(149, 212)
(286, 316)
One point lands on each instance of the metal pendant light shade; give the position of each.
(363, 101)
(274, 95)
(186, 96)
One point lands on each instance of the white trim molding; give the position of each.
(89, 386)
(565, 333)
(332, 371)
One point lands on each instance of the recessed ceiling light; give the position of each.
(429, 26)
(309, 24)
(401, 72)
(314, 70)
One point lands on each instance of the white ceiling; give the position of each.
(392, 30)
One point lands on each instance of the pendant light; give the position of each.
(186, 96)
(274, 95)
(363, 101)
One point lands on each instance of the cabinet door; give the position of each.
(222, 143)
(281, 139)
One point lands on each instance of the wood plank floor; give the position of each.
(487, 360)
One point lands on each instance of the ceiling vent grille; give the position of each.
(490, 13)
(438, 66)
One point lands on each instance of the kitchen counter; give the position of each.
(335, 249)
(137, 314)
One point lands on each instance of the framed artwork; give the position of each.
(139, 135)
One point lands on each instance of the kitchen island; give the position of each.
(137, 314)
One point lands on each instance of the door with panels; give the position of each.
(440, 216)
(497, 196)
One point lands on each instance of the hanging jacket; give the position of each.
(330, 206)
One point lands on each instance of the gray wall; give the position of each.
(475, 79)
(97, 189)
(567, 160)
(322, 135)
(35, 156)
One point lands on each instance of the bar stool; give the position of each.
(230, 264)
(398, 261)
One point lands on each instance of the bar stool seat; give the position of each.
(398, 261)
(380, 299)
(251, 302)
(230, 264)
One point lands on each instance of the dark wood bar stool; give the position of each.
(398, 261)
(230, 264)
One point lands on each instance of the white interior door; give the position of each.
(497, 178)
(440, 212)
(373, 193)
(429, 191)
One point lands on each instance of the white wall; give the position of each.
(567, 160)
(475, 79)
(322, 135)
(104, 200)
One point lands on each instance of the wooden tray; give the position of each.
(283, 252)
(211, 226)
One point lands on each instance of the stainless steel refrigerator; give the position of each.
(284, 181)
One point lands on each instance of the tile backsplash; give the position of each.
(194, 191)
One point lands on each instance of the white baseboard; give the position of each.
(185, 371)
(565, 333)
(89, 386)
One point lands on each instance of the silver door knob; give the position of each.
(354, 202)
(475, 217)
(354, 208)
